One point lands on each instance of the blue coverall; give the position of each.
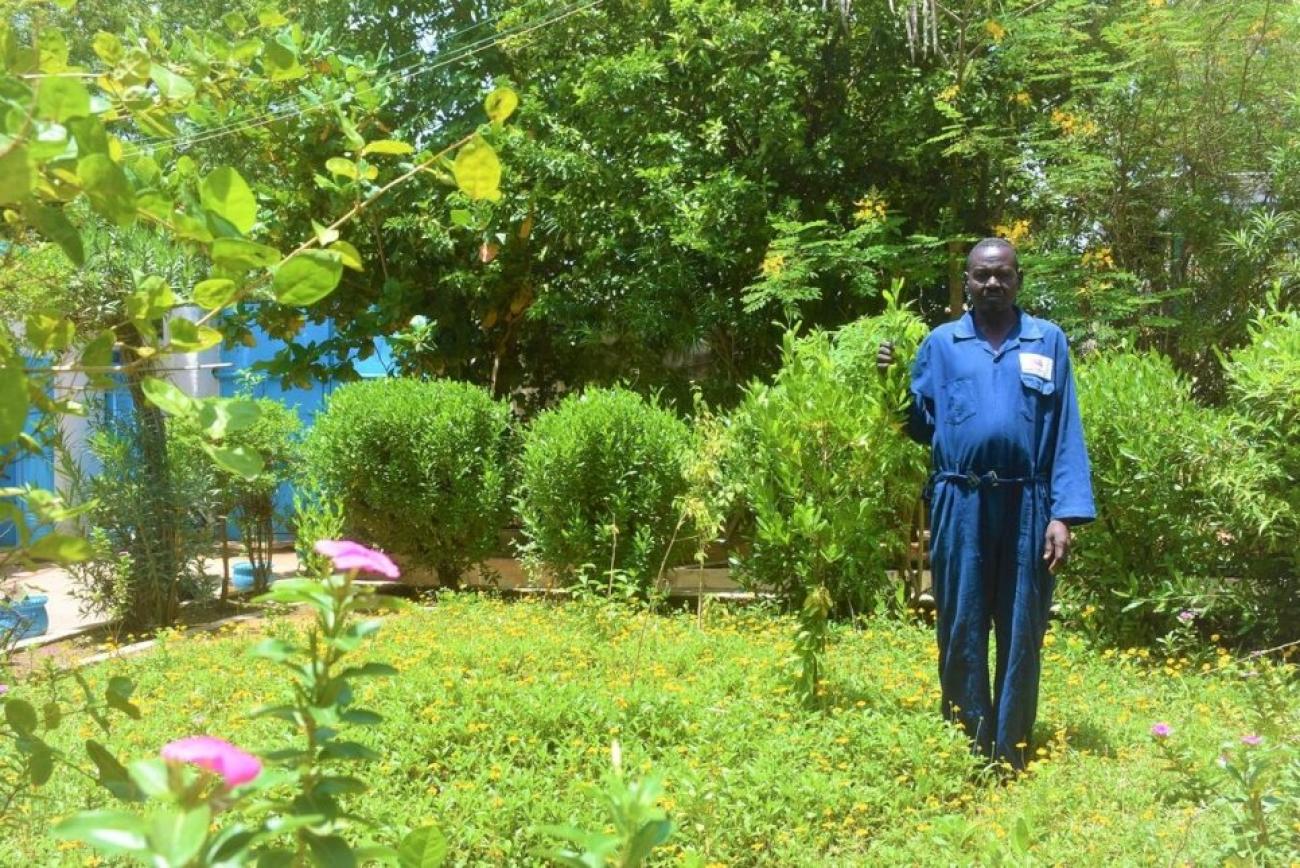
(1008, 456)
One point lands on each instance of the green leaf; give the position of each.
(461, 217)
(179, 834)
(307, 277)
(275, 650)
(331, 851)
(477, 170)
(348, 255)
(342, 167)
(387, 146)
(171, 85)
(238, 254)
(373, 669)
(225, 193)
(1021, 838)
(425, 847)
(54, 225)
(349, 750)
(107, 188)
(107, 47)
(215, 292)
(269, 16)
(280, 62)
(151, 777)
(166, 397)
(90, 135)
(13, 401)
(113, 832)
(239, 460)
(61, 548)
(153, 299)
(49, 333)
(501, 104)
(60, 99)
(21, 716)
(221, 416)
(16, 176)
(190, 338)
(53, 714)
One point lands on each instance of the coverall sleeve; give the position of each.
(1071, 479)
(920, 414)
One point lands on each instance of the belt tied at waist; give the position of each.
(971, 480)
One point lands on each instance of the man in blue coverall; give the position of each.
(993, 396)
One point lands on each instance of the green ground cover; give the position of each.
(503, 713)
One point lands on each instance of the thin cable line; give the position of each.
(418, 69)
(150, 140)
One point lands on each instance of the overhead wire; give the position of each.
(437, 62)
(150, 140)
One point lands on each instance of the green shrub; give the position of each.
(249, 502)
(1185, 514)
(600, 475)
(825, 481)
(421, 468)
(148, 539)
(1264, 389)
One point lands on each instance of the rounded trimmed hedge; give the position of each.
(600, 475)
(421, 467)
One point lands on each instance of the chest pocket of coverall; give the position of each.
(959, 396)
(1035, 391)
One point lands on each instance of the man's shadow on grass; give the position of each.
(1083, 736)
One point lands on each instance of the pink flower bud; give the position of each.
(1251, 740)
(1161, 730)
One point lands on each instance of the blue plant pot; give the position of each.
(241, 576)
(25, 618)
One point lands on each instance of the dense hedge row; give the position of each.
(813, 486)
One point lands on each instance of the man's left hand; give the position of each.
(1056, 546)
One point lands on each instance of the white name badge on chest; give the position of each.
(1038, 366)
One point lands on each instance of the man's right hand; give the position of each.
(885, 356)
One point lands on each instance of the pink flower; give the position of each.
(233, 765)
(348, 555)
(4, 688)
(1161, 730)
(1187, 616)
(1251, 739)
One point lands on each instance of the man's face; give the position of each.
(992, 279)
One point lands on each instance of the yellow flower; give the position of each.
(948, 93)
(871, 207)
(1015, 232)
(773, 265)
(1022, 98)
(995, 30)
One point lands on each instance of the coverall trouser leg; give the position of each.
(988, 575)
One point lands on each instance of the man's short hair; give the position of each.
(994, 242)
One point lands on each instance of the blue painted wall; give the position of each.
(307, 402)
(37, 470)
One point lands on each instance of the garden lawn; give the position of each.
(503, 713)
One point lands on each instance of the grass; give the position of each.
(502, 717)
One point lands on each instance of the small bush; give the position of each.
(148, 540)
(249, 502)
(421, 468)
(600, 478)
(1185, 514)
(825, 481)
